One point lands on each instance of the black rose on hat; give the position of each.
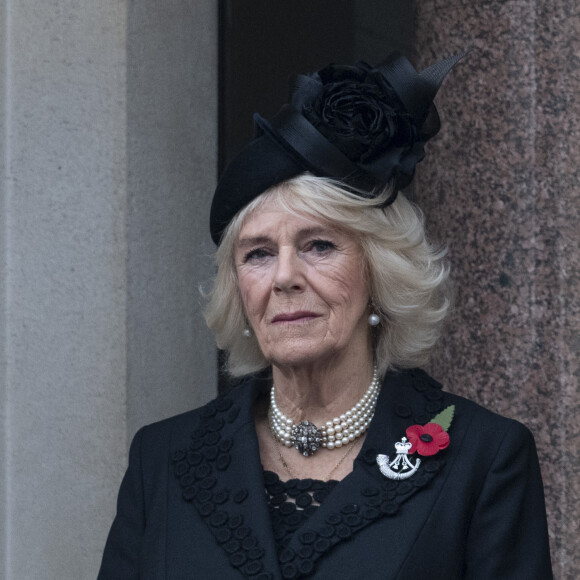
(357, 111)
(365, 127)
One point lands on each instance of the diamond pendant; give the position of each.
(306, 438)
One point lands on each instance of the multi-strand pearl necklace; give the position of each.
(307, 437)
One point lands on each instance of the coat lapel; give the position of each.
(365, 496)
(221, 475)
(224, 448)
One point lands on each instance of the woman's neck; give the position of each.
(319, 392)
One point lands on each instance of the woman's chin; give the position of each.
(302, 346)
(302, 355)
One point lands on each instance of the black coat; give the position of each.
(192, 504)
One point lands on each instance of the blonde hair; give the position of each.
(407, 276)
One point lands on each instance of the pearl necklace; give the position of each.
(307, 437)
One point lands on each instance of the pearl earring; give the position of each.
(374, 319)
(247, 332)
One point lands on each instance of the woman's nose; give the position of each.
(288, 275)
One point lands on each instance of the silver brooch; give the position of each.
(306, 438)
(401, 467)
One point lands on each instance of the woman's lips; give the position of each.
(289, 317)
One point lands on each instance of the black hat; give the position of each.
(360, 125)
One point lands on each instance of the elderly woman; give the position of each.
(334, 456)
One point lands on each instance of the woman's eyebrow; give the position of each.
(314, 231)
(246, 242)
(252, 241)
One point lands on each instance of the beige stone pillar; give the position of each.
(108, 153)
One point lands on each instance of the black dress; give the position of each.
(292, 503)
(193, 504)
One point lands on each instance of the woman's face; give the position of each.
(304, 287)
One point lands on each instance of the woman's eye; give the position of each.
(257, 254)
(321, 246)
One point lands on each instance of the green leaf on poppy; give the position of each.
(444, 418)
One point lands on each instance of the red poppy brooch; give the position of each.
(426, 440)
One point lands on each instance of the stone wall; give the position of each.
(108, 141)
(500, 187)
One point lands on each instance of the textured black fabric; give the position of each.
(365, 127)
(292, 503)
(473, 511)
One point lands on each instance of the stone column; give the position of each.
(108, 157)
(172, 105)
(500, 187)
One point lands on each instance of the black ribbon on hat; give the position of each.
(363, 126)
